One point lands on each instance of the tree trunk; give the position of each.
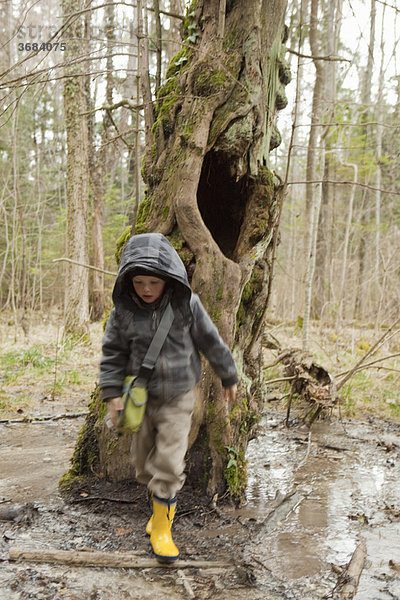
(378, 177)
(211, 192)
(364, 242)
(314, 153)
(322, 284)
(173, 42)
(100, 168)
(76, 305)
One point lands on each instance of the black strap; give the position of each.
(156, 344)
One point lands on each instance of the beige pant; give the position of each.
(159, 447)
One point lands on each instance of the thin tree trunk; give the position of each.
(100, 168)
(346, 242)
(328, 73)
(366, 102)
(314, 152)
(76, 304)
(158, 44)
(378, 175)
(174, 40)
(311, 256)
(137, 136)
(144, 64)
(293, 170)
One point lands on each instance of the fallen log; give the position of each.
(353, 571)
(119, 560)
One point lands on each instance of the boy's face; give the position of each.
(148, 288)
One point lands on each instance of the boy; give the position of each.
(150, 276)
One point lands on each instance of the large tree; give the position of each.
(209, 189)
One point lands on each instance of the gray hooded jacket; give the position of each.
(132, 324)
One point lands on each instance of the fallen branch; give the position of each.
(366, 355)
(322, 445)
(84, 265)
(104, 499)
(118, 560)
(281, 379)
(41, 419)
(303, 462)
(284, 506)
(353, 571)
(370, 364)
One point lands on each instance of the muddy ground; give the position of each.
(310, 502)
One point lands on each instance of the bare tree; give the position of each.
(76, 307)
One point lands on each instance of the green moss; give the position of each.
(166, 98)
(121, 241)
(86, 453)
(143, 168)
(179, 62)
(235, 472)
(207, 79)
(179, 243)
(187, 130)
(165, 213)
(266, 177)
(143, 213)
(244, 421)
(250, 291)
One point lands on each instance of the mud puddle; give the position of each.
(346, 478)
(310, 501)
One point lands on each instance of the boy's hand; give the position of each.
(230, 393)
(115, 405)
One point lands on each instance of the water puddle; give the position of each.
(347, 481)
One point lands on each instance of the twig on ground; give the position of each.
(41, 419)
(106, 499)
(186, 584)
(302, 462)
(284, 506)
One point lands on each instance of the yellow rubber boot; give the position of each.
(161, 523)
(149, 525)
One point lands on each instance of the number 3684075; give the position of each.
(44, 46)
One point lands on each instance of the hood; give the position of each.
(152, 252)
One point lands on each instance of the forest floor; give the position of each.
(312, 498)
